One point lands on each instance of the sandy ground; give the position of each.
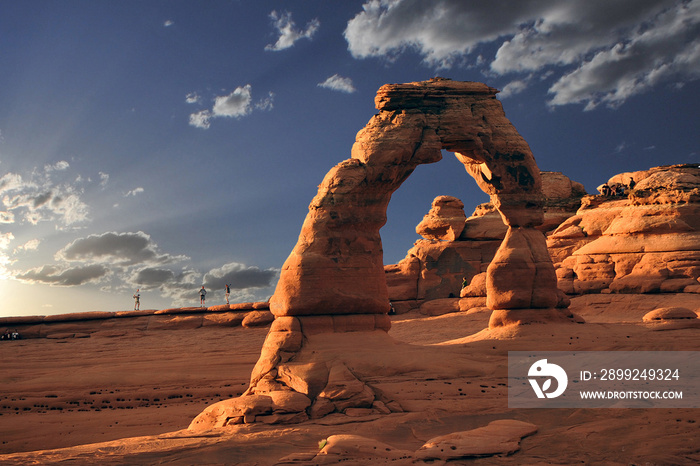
(126, 399)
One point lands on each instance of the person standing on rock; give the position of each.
(227, 292)
(137, 300)
(202, 294)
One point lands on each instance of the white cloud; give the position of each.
(31, 245)
(288, 34)
(7, 217)
(236, 104)
(104, 179)
(134, 192)
(192, 98)
(168, 23)
(338, 83)
(201, 119)
(601, 51)
(11, 181)
(665, 49)
(58, 166)
(39, 198)
(239, 276)
(513, 88)
(6, 239)
(266, 103)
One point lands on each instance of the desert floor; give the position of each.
(126, 398)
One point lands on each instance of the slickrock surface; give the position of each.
(85, 324)
(129, 398)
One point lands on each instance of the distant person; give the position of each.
(137, 300)
(632, 184)
(202, 295)
(227, 292)
(465, 282)
(392, 311)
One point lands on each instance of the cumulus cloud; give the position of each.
(181, 287)
(239, 276)
(38, 198)
(338, 83)
(6, 239)
(236, 104)
(168, 23)
(116, 248)
(31, 245)
(58, 276)
(602, 51)
(201, 119)
(288, 33)
(192, 98)
(514, 87)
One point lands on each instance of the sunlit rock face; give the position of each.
(645, 241)
(337, 265)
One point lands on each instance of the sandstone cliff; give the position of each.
(646, 240)
(456, 249)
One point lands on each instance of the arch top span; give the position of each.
(337, 267)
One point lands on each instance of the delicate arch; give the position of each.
(337, 268)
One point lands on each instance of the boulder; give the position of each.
(445, 221)
(257, 319)
(497, 438)
(669, 313)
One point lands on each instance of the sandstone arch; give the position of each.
(336, 267)
(333, 282)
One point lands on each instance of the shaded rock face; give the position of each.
(337, 265)
(647, 241)
(439, 265)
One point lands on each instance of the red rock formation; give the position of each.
(438, 264)
(334, 281)
(647, 241)
(336, 266)
(445, 221)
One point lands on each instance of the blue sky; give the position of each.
(163, 145)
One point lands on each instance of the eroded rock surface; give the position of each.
(334, 281)
(647, 241)
(439, 264)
